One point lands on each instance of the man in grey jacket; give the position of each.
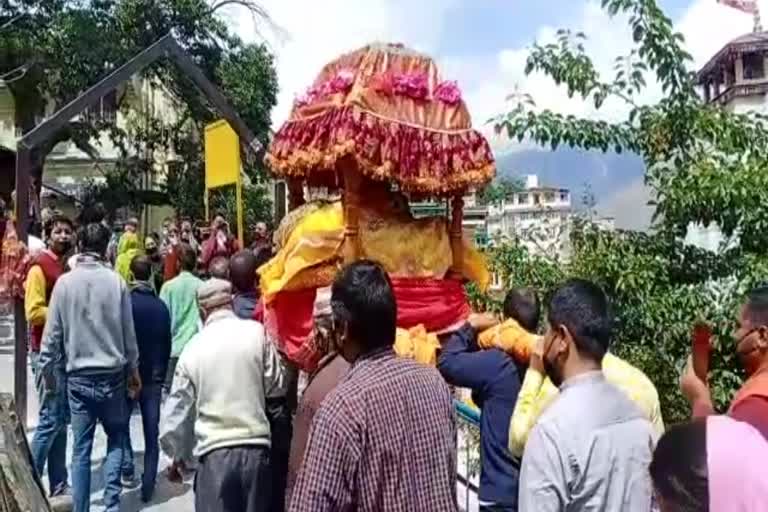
(89, 330)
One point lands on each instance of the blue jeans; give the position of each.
(49, 443)
(92, 399)
(149, 404)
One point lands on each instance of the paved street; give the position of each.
(169, 497)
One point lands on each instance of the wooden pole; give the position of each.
(352, 189)
(295, 193)
(23, 166)
(457, 232)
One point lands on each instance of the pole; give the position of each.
(239, 203)
(20, 321)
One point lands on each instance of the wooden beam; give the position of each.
(23, 164)
(187, 65)
(164, 47)
(57, 121)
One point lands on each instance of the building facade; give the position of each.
(736, 79)
(539, 216)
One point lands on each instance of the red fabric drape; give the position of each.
(440, 305)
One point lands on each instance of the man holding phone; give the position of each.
(220, 243)
(751, 402)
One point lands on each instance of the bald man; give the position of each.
(219, 268)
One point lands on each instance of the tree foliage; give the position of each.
(52, 50)
(704, 165)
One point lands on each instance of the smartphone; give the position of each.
(702, 345)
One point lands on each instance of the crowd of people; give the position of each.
(171, 326)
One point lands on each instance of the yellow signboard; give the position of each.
(222, 155)
(222, 165)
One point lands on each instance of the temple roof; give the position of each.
(754, 41)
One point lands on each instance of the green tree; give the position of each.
(52, 50)
(499, 190)
(703, 164)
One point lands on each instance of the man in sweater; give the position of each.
(152, 323)
(50, 440)
(90, 328)
(180, 295)
(220, 388)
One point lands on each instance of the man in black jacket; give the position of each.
(152, 323)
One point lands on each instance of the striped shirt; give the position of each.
(384, 439)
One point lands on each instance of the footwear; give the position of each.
(146, 496)
(61, 490)
(128, 481)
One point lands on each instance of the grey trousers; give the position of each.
(236, 479)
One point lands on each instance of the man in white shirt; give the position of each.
(220, 387)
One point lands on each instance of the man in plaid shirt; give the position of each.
(384, 438)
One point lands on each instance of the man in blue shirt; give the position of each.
(494, 378)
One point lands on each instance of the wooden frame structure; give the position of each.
(165, 47)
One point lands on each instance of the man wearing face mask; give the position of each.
(50, 440)
(750, 404)
(591, 448)
(152, 249)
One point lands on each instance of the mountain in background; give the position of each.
(616, 180)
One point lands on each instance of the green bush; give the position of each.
(659, 288)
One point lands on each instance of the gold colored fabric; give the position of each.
(510, 337)
(406, 247)
(421, 142)
(373, 60)
(417, 344)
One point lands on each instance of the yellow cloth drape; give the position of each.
(128, 248)
(417, 344)
(406, 247)
(537, 392)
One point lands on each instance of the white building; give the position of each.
(736, 79)
(538, 216)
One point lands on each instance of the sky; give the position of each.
(482, 44)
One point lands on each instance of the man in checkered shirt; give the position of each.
(384, 438)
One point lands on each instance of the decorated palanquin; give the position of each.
(381, 127)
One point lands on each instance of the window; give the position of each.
(104, 109)
(549, 197)
(522, 198)
(536, 199)
(753, 66)
(564, 196)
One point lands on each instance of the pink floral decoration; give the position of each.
(340, 83)
(448, 92)
(414, 85)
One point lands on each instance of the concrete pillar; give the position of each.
(739, 70)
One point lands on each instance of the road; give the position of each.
(169, 497)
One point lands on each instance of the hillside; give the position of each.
(616, 180)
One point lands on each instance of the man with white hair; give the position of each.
(220, 387)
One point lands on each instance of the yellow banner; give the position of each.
(222, 155)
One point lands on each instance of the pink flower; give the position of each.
(414, 85)
(448, 92)
(342, 82)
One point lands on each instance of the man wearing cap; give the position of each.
(226, 410)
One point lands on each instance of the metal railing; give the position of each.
(468, 457)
